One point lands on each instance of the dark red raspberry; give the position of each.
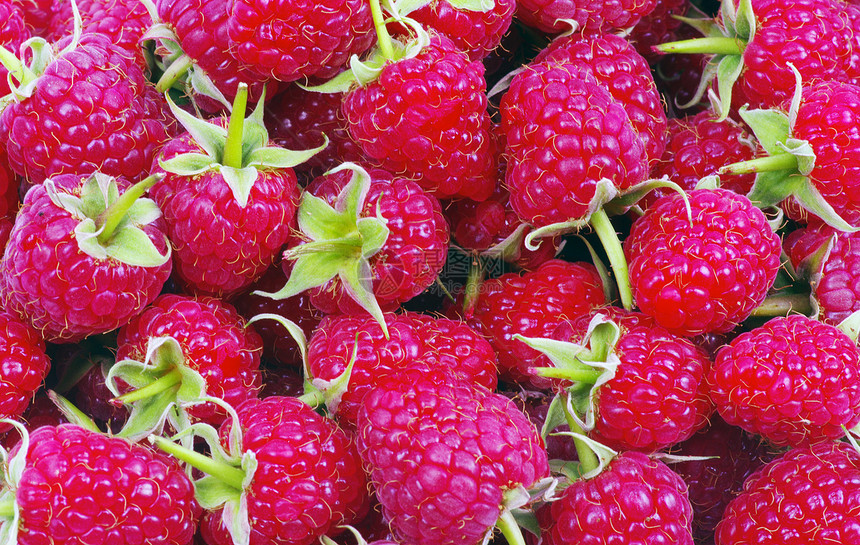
(41, 412)
(554, 16)
(808, 495)
(732, 456)
(298, 119)
(278, 344)
(215, 341)
(706, 275)
(657, 27)
(439, 451)
(533, 305)
(79, 486)
(793, 380)
(634, 500)
(425, 118)
(294, 40)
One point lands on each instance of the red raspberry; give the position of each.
(834, 282)
(80, 487)
(440, 450)
(221, 246)
(589, 17)
(705, 276)
(425, 118)
(91, 110)
(123, 21)
(414, 342)
(618, 67)
(201, 27)
(412, 255)
(809, 495)
(533, 305)
(13, 32)
(475, 32)
(634, 500)
(699, 146)
(41, 412)
(659, 393)
(565, 133)
(794, 381)
(24, 367)
(215, 342)
(50, 281)
(288, 41)
(308, 479)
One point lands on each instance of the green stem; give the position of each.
(115, 213)
(383, 37)
(510, 529)
(235, 129)
(586, 376)
(706, 46)
(771, 163)
(312, 397)
(176, 70)
(587, 458)
(73, 414)
(473, 286)
(609, 238)
(165, 382)
(233, 476)
(782, 305)
(7, 508)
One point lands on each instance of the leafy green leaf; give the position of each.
(212, 492)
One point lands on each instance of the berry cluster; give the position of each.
(429, 272)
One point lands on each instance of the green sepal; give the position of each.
(402, 8)
(340, 244)
(803, 152)
(604, 192)
(707, 27)
(812, 266)
(604, 453)
(555, 417)
(240, 181)
(810, 199)
(771, 188)
(362, 72)
(851, 326)
(588, 366)
(164, 360)
(472, 5)
(334, 389)
(128, 243)
(13, 470)
(277, 158)
(728, 71)
(188, 164)
(72, 413)
(207, 135)
(637, 192)
(771, 127)
(295, 331)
